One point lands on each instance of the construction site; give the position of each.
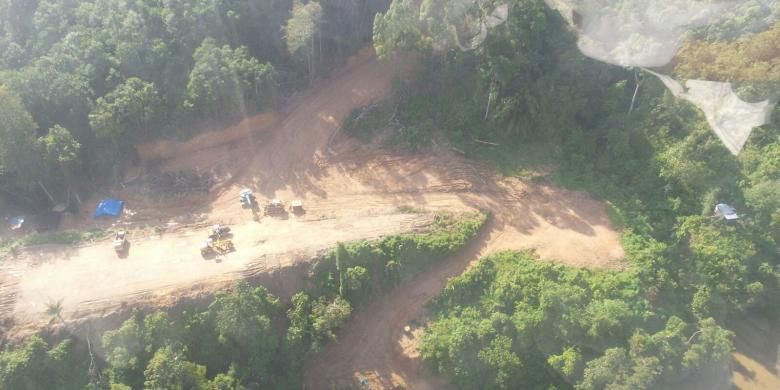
(288, 187)
(262, 199)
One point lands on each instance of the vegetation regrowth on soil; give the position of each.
(242, 338)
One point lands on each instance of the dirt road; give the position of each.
(92, 278)
(284, 163)
(379, 344)
(349, 192)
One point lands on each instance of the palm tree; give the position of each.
(54, 311)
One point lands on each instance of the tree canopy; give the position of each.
(117, 72)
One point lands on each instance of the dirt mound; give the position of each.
(166, 150)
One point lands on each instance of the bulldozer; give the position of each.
(121, 244)
(212, 247)
(274, 206)
(296, 207)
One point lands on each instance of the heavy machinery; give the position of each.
(121, 244)
(296, 207)
(274, 206)
(216, 247)
(219, 231)
(247, 198)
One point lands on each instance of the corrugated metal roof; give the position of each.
(726, 211)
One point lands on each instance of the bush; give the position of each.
(414, 137)
(364, 122)
(395, 257)
(70, 237)
(515, 319)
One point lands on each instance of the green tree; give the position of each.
(126, 352)
(225, 81)
(50, 22)
(724, 257)
(608, 320)
(16, 16)
(300, 322)
(502, 361)
(568, 363)
(226, 381)
(356, 279)
(325, 318)
(18, 153)
(34, 366)
(25, 368)
(242, 320)
(342, 257)
(614, 370)
(61, 149)
(54, 311)
(302, 28)
(55, 89)
(169, 370)
(61, 155)
(129, 108)
(398, 28)
(710, 345)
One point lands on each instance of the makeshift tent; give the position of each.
(727, 212)
(109, 208)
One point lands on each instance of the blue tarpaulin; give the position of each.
(109, 208)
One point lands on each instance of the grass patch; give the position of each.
(68, 237)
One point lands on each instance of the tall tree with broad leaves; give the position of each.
(302, 29)
(19, 155)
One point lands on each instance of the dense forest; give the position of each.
(83, 80)
(528, 89)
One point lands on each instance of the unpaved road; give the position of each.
(349, 193)
(379, 344)
(93, 278)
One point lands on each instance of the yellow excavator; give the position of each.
(212, 247)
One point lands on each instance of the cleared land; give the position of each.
(349, 193)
